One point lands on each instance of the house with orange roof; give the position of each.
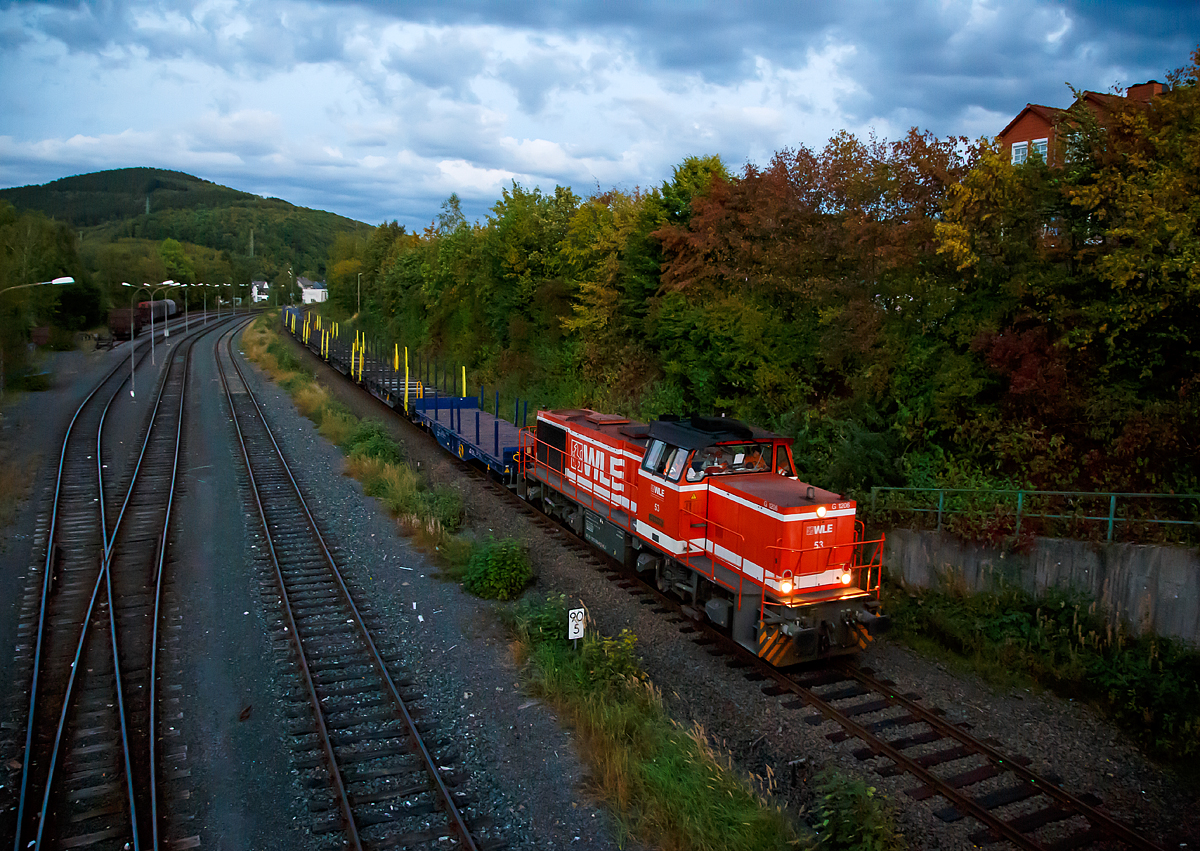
(1034, 132)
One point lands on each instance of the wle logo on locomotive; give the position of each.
(591, 462)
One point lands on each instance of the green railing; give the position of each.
(1055, 513)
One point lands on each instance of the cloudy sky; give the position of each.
(379, 111)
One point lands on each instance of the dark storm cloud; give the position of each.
(714, 39)
(533, 78)
(443, 62)
(383, 109)
(937, 64)
(920, 62)
(274, 37)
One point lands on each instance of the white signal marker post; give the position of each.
(576, 620)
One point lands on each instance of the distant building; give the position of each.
(1035, 129)
(259, 291)
(312, 291)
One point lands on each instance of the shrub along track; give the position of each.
(383, 785)
(89, 776)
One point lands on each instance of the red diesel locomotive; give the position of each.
(713, 506)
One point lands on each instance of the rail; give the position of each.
(1069, 511)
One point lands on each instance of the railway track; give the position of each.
(88, 778)
(371, 772)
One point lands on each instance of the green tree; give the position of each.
(179, 264)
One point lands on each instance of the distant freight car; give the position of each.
(124, 323)
(162, 309)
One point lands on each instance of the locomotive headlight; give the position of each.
(846, 577)
(820, 511)
(785, 585)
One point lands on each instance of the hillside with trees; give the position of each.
(140, 225)
(123, 215)
(918, 312)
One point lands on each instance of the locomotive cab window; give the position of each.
(665, 460)
(783, 462)
(731, 458)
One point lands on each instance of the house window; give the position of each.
(1020, 152)
(1040, 147)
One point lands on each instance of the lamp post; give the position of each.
(152, 290)
(66, 279)
(132, 378)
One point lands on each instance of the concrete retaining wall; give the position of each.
(1152, 589)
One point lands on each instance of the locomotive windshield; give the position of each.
(737, 458)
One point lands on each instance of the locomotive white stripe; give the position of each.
(752, 570)
(584, 483)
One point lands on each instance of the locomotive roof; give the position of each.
(699, 432)
(691, 433)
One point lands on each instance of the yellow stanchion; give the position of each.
(464, 382)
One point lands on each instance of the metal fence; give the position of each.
(1081, 514)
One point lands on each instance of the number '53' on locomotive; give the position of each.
(714, 508)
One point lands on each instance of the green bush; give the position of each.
(370, 438)
(851, 818)
(283, 355)
(537, 622)
(611, 660)
(443, 505)
(498, 570)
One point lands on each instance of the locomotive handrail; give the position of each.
(704, 550)
(527, 444)
(874, 566)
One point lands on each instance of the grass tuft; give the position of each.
(370, 438)
(851, 818)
